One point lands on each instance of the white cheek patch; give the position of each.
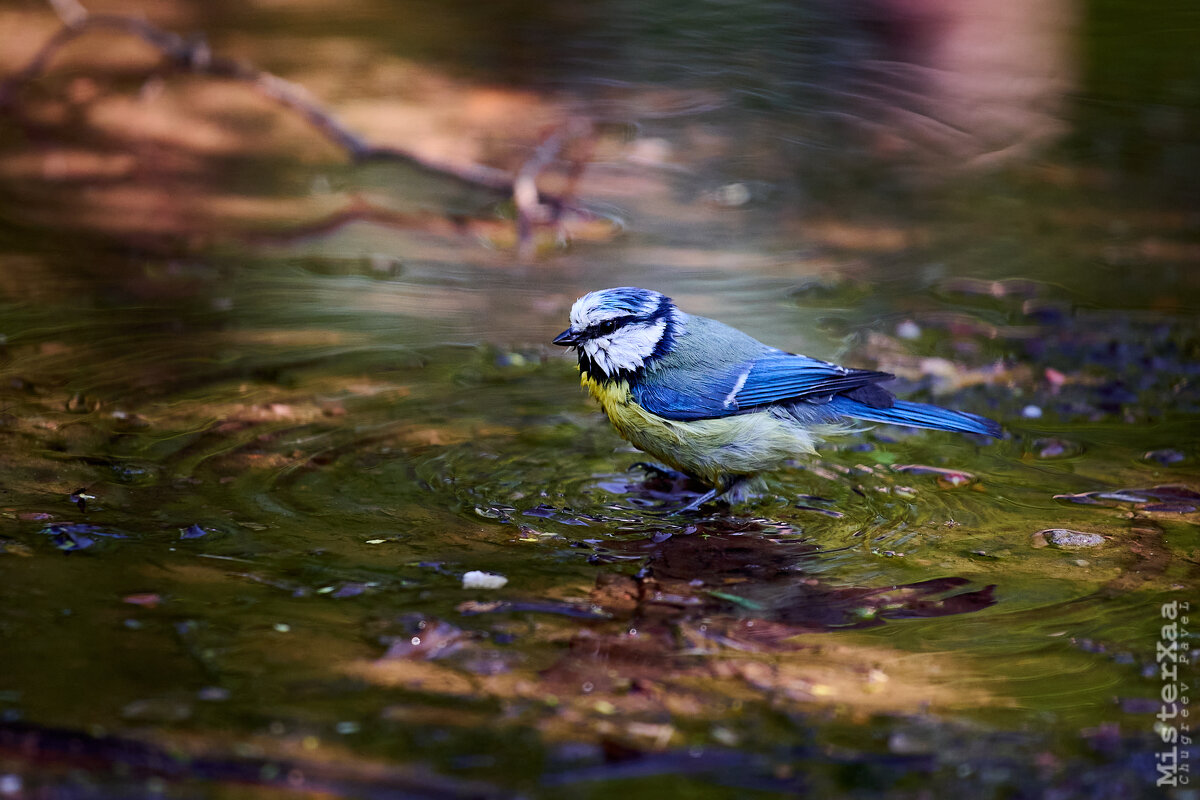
(625, 349)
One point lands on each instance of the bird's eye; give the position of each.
(607, 327)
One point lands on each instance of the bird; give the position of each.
(716, 403)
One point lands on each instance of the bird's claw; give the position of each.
(658, 471)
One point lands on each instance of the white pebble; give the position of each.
(1031, 412)
(477, 579)
(908, 330)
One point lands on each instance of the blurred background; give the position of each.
(276, 294)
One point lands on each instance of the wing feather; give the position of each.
(788, 378)
(774, 378)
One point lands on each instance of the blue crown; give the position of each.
(629, 300)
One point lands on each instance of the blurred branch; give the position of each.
(194, 56)
(528, 199)
(493, 229)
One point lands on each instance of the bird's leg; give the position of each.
(728, 484)
(711, 494)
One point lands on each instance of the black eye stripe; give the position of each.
(609, 325)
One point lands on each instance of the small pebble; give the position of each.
(1062, 537)
(908, 330)
(477, 579)
(1031, 412)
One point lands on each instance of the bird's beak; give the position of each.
(567, 338)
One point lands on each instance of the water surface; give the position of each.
(251, 445)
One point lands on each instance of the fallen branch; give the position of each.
(194, 56)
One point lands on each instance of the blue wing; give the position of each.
(788, 378)
(718, 371)
(774, 378)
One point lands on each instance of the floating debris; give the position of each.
(1171, 498)
(192, 531)
(73, 536)
(551, 513)
(1054, 448)
(80, 497)
(1166, 456)
(143, 599)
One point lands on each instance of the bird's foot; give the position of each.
(659, 471)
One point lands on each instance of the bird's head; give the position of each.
(619, 332)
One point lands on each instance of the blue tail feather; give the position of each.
(919, 415)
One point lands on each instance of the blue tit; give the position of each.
(716, 403)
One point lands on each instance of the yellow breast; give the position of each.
(709, 449)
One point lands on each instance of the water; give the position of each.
(249, 454)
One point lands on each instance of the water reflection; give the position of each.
(304, 398)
